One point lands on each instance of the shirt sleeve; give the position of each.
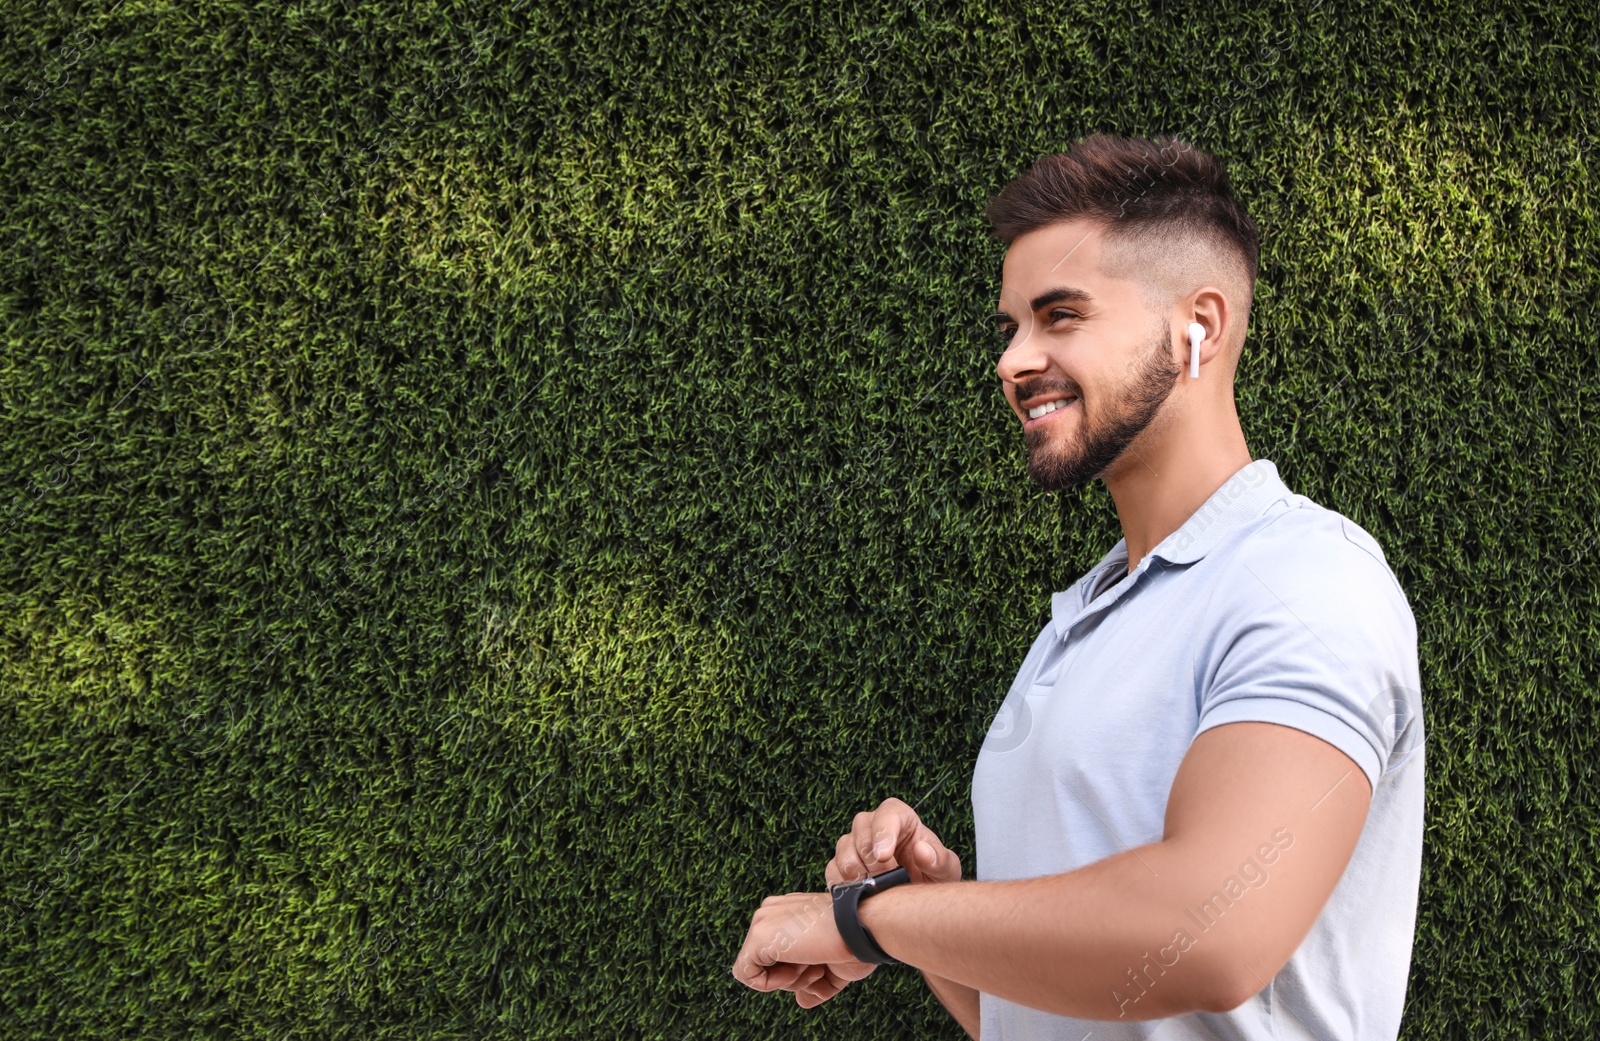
(1317, 635)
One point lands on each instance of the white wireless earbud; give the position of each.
(1197, 332)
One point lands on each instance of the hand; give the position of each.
(793, 944)
(889, 837)
(926, 860)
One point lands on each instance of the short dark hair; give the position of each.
(1169, 213)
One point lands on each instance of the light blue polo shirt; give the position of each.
(1262, 606)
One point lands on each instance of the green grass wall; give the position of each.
(490, 490)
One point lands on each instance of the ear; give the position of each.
(1207, 307)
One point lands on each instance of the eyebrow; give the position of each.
(1068, 294)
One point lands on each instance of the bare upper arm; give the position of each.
(1268, 816)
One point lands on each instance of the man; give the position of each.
(1199, 811)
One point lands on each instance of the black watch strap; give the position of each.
(846, 897)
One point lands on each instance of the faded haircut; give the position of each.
(1170, 220)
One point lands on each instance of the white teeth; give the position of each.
(1048, 407)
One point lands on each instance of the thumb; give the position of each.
(926, 854)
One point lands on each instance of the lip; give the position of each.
(1029, 424)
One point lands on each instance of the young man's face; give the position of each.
(1099, 348)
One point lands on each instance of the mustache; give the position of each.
(1025, 393)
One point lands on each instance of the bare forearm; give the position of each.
(960, 1000)
(1113, 940)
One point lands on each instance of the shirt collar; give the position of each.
(1245, 495)
(1242, 497)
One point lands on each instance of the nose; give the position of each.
(1024, 354)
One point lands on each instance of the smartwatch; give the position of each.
(846, 896)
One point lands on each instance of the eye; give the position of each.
(1009, 329)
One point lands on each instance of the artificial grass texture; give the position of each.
(492, 490)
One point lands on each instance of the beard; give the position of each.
(1060, 460)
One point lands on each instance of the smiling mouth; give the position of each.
(1050, 409)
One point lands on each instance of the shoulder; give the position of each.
(1310, 559)
(1309, 628)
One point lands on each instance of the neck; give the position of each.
(1158, 485)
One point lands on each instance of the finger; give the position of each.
(931, 857)
(807, 977)
(780, 975)
(861, 843)
(828, 984)
(929, 860)
(877, 837)
(875, 842)
(785, 976)
(846, 861)
(750, 972)
(948, 866)
(849, 971)
(833, 872)
(915, 854)
(810, 998)
(893, 824)
(817, 993)
(760, 967)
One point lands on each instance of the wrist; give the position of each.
(850, 901)
(877, 915)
